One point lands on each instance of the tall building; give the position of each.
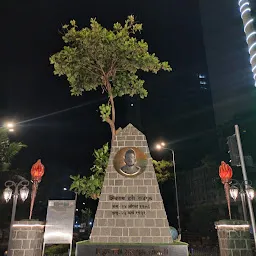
(230, 45)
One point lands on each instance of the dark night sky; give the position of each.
(65, 141)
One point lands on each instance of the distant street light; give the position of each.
(65, 189)
(162, 146)
(10, 126)
(238, 188)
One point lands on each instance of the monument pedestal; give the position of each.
(91, 249)
(26, 238)
(234, 237)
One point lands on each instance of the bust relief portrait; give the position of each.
(130, 162)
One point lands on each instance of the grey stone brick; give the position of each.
(148, 182)
(16, 244)
(107, 214)
(138, 182)
(102, 223)
(130, 137)
(142, 189)
(119, 182)
(148, 175)
(116, 232)
(149, 222)
(139, 223)
(124, 239)
(113, 239)
(146, 239)
(111, 222)
(125, 232)
(129, 143)
(151, 214)
(128, 182)
(22, 235)
(105, 232)
(159, 222)
(164, 232)
(18, 253)
(26, 244)
(134, 232)
(156, 205)
(156, 231)
(135, 239)
(144, 231)
(129, 222)
(120, 223)
(29, 253)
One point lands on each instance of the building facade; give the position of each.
(231, 59)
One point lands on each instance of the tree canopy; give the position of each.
(108, 59)
(8, 150)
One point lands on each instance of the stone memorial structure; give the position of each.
(130, 209)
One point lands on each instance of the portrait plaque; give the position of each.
(130, 161)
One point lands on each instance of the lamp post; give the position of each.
(8, 194)
(239, 188)
(162, 146)
(22, 192)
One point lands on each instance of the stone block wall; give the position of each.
(130, 209)
(26, 238)
(234, 238)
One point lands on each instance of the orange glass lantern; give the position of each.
(37, 171)
(225, 172)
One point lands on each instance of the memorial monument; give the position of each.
(130, 209)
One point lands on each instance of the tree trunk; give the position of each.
(111, 121)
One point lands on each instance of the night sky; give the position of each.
(175, 110)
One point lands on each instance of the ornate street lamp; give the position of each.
(226, 173)
(237, 188)
(9, 193)
(37, 172)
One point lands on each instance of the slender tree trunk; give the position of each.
(111, 121)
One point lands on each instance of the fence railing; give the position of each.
(204, 251)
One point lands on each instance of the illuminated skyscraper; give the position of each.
(245, 10)
(231, 75)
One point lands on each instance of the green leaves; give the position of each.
(163, 171)
(8, 150)
(94, 53)
(91, 186)
(105, 111)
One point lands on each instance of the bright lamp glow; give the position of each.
(158, 146)
(7, 194)
(162, 144)
(250, 192)
(24, 191)
(10, 125)
(234, 192)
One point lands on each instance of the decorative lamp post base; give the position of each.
(234, 237)
(26, 238)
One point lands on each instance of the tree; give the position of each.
(162, 169)
(8, 150)
(96, 57)
(91, 186)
